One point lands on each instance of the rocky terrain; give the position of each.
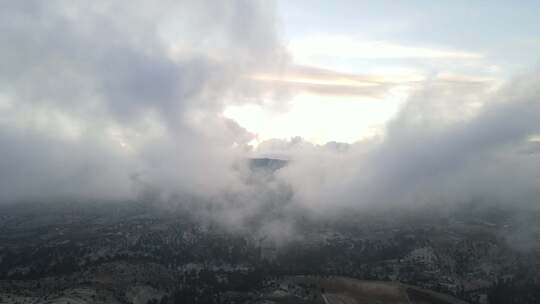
(131, 252)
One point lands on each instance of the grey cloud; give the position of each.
(113, 100)
(431, 158)
(102, 68)
(37, 166)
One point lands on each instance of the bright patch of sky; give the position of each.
(411, 39)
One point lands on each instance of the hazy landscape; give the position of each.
(253, 151)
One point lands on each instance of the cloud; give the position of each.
(331, 89)
(436, 152)
(297, 79)
(329, 75)
(106, 100)
(345, 46)
(98, 94)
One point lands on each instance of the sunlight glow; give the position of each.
(320, 119)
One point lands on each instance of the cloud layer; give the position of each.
(441, 148)
(115, 101)
(98, 98)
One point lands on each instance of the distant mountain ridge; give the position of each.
(267, 164)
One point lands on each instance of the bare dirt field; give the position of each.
(342, 290)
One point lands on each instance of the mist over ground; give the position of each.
(124, 101)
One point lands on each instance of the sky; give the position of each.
(484, 41)
(373, 104)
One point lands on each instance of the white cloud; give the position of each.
(349, 47)
(90, 96)
(92, 104)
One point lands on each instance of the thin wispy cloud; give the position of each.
(349, 47)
